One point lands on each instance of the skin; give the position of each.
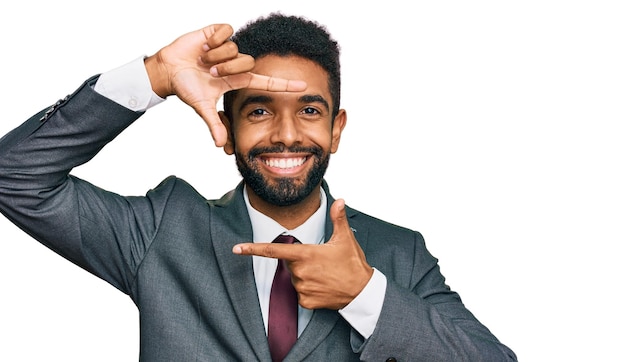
(199, 68)
(266, 119)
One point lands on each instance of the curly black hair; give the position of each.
(284, 35)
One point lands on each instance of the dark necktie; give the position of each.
(282, 330)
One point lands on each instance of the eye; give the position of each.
(258, 112)
(310, 111)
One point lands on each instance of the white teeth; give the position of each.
(285, 162)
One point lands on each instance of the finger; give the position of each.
(263, 82)
(217, 34)
(338, 217)
(211, 118)
(290, 252)
(252, 81)
(229, 65)
(222, 53)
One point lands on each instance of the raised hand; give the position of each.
(199, 67)
(330, 275)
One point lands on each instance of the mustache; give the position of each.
(316, 151)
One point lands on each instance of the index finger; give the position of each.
(264, 82)
(269, 250)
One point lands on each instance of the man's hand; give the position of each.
(330, 275)
(199, 67)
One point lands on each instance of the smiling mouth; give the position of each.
(285, 163)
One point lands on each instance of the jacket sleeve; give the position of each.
(95, 229)
(421, 318)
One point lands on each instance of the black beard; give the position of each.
(286, 192)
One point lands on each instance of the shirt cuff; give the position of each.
(363, 312)
(129, 86)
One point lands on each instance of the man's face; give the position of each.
(282, 141)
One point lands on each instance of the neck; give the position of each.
(290, 217)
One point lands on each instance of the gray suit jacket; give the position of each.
(170, 251)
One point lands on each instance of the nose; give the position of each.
(286, 130)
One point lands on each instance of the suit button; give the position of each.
(52, 108)
(391, 359)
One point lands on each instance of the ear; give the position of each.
(229, 147)
(338, 125)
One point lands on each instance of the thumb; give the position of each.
(211, 118)
(338, 218)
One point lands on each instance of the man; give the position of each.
(366, 289)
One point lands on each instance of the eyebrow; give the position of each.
(314, 98)
(255, 99)
(307, 98)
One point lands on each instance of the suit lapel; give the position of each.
(318, 329)
(230, 224)
(360, 231)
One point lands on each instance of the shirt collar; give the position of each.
(265, 229)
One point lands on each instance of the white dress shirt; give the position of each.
(130, 87)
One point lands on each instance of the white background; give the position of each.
(496, 128)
